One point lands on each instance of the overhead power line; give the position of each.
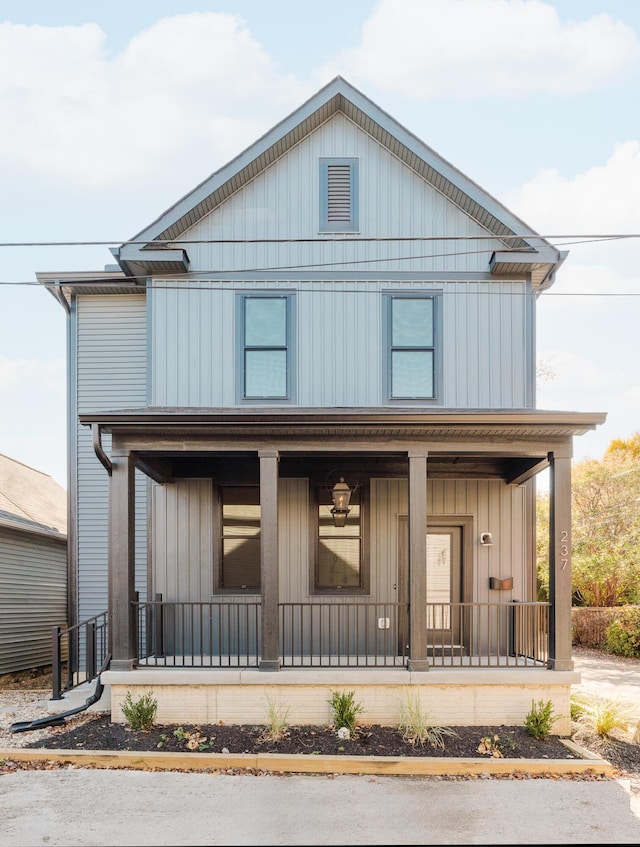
(335, 239)
(142, 286)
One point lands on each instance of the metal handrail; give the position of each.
(85, 656)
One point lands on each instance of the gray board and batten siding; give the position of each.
(183, 536)
(283, 202)
(485, 342)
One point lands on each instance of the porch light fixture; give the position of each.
(486, 539)
(341, 495)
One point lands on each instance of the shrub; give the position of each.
(623, 633)
(344, 710)
(140, 713)
(416, 727)
(602, 717)
(540, 719)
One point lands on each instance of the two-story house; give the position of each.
(304, 438)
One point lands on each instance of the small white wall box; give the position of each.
(505, 584)
(383, 623)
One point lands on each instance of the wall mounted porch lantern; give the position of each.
(341, 495)
(486, 539)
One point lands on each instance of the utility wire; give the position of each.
(143, 286)
(336, 239)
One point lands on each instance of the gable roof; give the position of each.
(31, 500)
(154, 249)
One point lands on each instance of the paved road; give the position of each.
(98, 807)
(609, 676)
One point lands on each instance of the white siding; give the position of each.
(33, 598)
(111, 374)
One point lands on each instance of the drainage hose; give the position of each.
(59, 719)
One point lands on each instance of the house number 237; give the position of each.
(564, 548)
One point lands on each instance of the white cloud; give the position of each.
(465, 48)
(187, 82)
(603, 199)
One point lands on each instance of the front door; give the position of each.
(444, 583)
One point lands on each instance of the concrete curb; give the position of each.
(282, 763)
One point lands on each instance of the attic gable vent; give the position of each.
(338, 195)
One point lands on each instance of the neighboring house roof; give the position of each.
(31, 500)
(157, 248)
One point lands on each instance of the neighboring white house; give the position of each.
(33, 565)
(337, 305)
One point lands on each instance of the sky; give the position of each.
(111, 112)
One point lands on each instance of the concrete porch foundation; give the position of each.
(450, 698)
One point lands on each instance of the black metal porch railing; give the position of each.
(81, 650)
(221, 634)
(199, 634)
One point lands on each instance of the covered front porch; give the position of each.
(487, 635)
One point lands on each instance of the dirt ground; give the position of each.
(33, 679)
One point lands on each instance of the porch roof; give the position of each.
(512, 445)
(432, 424)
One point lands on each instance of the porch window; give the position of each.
(339, 554)
(338, 195)
(265, 347)
(411, 339)
(238, 560)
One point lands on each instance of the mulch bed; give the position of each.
(99, 733)
(90, 731)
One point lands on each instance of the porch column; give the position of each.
(417, 659)
(270, 658)
(560, 562)
(122, 614)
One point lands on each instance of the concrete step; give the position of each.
(78, 696)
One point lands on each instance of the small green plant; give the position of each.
(345, 711)
(540, 719)
(140, 713)
(179, 733)
(277, 721)
(416, 727)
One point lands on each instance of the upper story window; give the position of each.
(412, 373)
(338, 195)
(265, 352)
(237, 564)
